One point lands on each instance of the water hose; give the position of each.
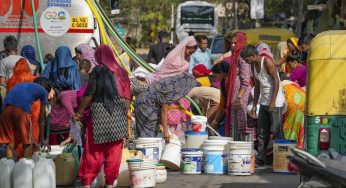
(124, 46)
(118, 56)
(106, 37)
(37, 39)
(116, 35)
(194, 105)
(99, 21)
(119, 40)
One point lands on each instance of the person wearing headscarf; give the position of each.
(201, 73)
(22, 73)
(28, 52)
(8, 63)
(87, 52)
(108, 95)
(151, 106)
(292, 45)
(63, 70)
(264, 50)
(178, 60)
(292, 49)
(238, 89)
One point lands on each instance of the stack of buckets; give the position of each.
(142, 172)
(218, 155)
(148, 172)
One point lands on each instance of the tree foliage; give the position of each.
(145, 18)
(151, 16)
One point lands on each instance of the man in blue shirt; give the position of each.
(202, 55)
(15, 119)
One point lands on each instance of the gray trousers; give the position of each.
(268, 123)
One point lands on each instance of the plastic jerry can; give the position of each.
(44, 173)
(22, 173)
(65, 165)
(6, 173)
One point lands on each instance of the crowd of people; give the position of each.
(247, 89)
(92, 88)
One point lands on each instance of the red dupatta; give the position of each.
(236, 50)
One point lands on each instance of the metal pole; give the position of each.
(224, 23)
(235, 12)
(172, 24)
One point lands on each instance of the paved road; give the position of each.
(263, 178)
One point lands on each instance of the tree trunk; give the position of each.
(300, 17)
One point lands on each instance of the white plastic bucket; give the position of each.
(142, 173)
(220, 138)
(195, 139)
(150, 147)
(198, 123)
(161, 173)
(171, 156)
(191, 161)
(6, 173)
(239, 159)
(215, 156)
(161, 142)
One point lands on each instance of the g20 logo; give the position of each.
(18, 6)
(53, 15)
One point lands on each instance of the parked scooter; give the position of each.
(332, 171)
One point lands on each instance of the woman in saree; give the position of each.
(293, 120)
(151, 106)
(177, 61)
(292, 49)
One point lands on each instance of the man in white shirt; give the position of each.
(202, 55)
(267, 84)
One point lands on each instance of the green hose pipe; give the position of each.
(118, 39)
(37, 39)
(114, 33)
(132, 54)
(194, 105)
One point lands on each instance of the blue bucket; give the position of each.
(215, 163)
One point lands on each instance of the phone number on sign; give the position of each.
(59, 3)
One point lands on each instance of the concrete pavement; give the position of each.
(263, 178)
